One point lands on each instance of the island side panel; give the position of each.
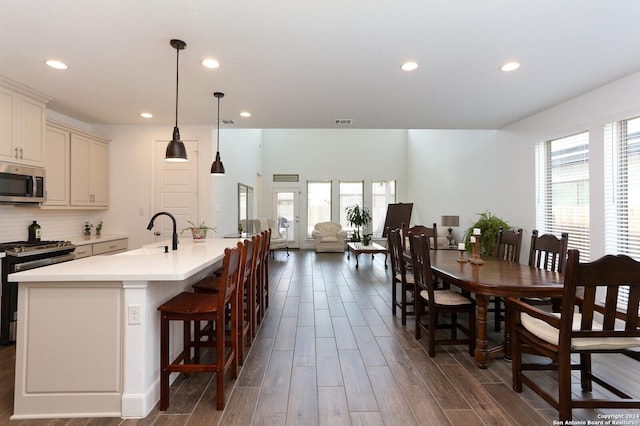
(68, 349)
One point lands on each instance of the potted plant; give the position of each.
(358, 216)
(489, 225)
(87, 230)
(198, 232)
(366, 239)
(99, 229)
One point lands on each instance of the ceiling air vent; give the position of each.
(228, 122)
(343, 121)
(286, 178)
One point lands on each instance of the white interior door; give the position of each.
(286, 214)
(175, 189)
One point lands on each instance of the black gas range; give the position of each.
(21, 256)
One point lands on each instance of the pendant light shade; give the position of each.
(176, 150)
(217, 168)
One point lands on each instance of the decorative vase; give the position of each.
(199, 233)
(87, 235)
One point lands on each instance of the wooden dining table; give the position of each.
(493, 278)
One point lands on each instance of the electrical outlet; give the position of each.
(133, 312)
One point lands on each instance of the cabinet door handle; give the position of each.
(15, 152)
(21, 153)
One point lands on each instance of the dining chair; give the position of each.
(508, 247)
(432, 302)
(592, 319)
(548, 251)
(190, 308)
(430, 232)
(400, 277)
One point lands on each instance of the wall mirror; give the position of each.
(245, 207)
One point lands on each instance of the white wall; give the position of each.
(131, 174)
(332, 154)
(464, 172)
(591, 112)
(461, 172)
(453, 172)
(241, 154)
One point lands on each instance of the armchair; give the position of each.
(279, 239)
(279, 236)
(329, 236)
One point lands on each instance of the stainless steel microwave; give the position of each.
(21, 184)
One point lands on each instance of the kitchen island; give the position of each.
(88, 336)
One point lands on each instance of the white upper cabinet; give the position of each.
(77, 168)
(89, 171)
(22, 124)
(57, 148)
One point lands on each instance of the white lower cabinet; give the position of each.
(95, 248)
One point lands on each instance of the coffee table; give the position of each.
(358, 248)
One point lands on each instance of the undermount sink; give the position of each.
(144, 251)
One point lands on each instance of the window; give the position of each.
(351, 192)
(318, 203)
(562, 189)
(622, 198)
(383, 193)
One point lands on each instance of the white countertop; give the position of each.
(149, 263)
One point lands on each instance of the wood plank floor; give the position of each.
(329, 352)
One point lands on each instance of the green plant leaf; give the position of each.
(489, 225)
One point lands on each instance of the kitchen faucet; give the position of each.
(174, 238)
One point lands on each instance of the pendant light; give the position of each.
(217, 168)
(176, 150)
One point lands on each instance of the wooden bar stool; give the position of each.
(244, 297)
(258, 244)
(211, 285)
(195, 307)
(264, 285)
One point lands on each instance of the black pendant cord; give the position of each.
(177, 81)
(218, 129)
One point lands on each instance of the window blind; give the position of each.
(562, 190)
(622, 192)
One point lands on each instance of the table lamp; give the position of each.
(449, 222)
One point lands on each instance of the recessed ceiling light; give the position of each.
(409, 66)
(59, 65)
(510, 66)
(245, 114)
(146, 115)
(210, 63)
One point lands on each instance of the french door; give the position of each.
(285, 205)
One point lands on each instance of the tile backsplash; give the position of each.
(55, 224)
